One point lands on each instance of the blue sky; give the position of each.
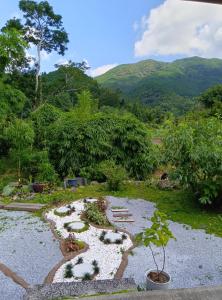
(109, 32)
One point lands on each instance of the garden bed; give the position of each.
(101, 260)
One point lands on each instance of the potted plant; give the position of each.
(157, 235)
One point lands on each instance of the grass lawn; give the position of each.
(180, 206)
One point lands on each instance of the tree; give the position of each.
(212, 96)
(44, 29)
(195, 151)
(12, 100)
(82, 143)
(157, 235)
(21, 136)
(86, 105)
(12, 50)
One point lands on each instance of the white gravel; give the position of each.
(108, 257)
(195, 259)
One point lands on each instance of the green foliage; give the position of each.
(12, 50)
(159, 233)
(115, 175)
(42, 117)
(20, 134)
(195, 150)
(12, 100)
(36, 166)
(44, 29)
(86, 106)
(48, 26)
(94, 215)
(212, 96)
(61, 87)
(78, 144)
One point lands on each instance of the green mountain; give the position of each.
(155, 82)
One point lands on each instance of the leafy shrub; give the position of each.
(36, 165)
(115, 175)
(195, 150)
(94, 215)
(83, 144)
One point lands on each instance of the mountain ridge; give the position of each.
(150, 81)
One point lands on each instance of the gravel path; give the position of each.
(28, 248)
(195, 259)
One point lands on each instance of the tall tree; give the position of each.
(45, 30)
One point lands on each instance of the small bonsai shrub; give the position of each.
(102, 236)
(68, 271)
(95, 267)
(107, 241)
(94, 215)
(79, 261)
(87, 276)
(124, 236)
(118, 241)
(71, 209)
(159, 235)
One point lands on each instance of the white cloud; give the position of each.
(182, 28)
(101, 70)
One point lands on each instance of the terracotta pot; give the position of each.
(38, 187)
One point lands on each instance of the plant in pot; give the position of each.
(47, 175)
(157, 235)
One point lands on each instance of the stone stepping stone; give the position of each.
(124, 220)
(121, 215)
(120, 210)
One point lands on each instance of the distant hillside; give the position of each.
(153, 81)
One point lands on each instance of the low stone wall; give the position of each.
(203, 293)
(75, 289)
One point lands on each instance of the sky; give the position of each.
(107, 33)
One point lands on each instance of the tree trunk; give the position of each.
(37, 73)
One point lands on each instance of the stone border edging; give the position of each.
(16, 278)
(75, 289)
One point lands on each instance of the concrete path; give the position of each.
(30, 207)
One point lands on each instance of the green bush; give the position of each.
(115, 175)
(94, 215)
(83, 144)
(195, 150)
(36, 166)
